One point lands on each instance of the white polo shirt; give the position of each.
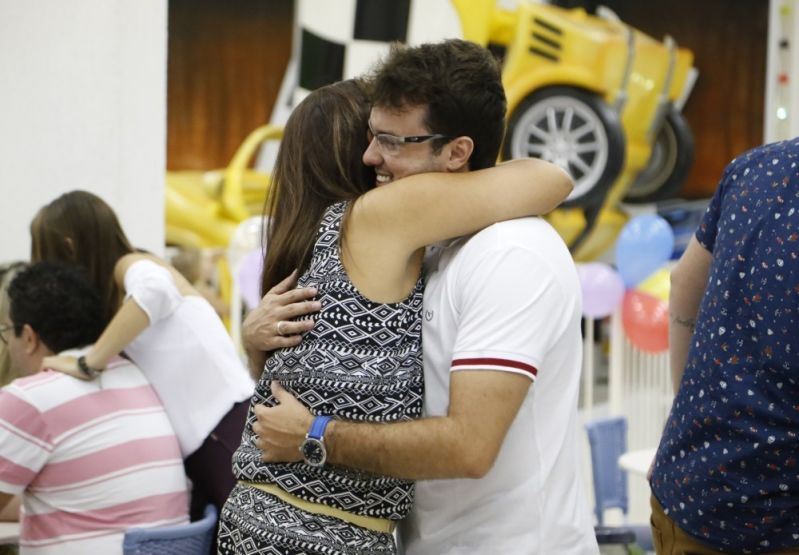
(507, 299)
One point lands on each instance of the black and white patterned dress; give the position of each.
(361, 362)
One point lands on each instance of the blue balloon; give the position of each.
(643, 246)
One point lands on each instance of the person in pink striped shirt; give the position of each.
(89, 458)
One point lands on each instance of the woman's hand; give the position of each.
(269, 326)
(64, 364)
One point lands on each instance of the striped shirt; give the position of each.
(90, 458)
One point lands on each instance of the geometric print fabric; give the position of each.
(360, 362)
(265, 525)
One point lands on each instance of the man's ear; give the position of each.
(30, 339)
(460, 150)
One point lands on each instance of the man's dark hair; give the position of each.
(59, 303)
(459, 81)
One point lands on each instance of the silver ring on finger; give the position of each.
(280, 328)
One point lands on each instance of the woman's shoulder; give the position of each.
(128, 260)
(147, 265)
(125, 263)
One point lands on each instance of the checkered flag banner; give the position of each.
(340, 39)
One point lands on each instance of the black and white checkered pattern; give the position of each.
(340, 39)
(344, 38)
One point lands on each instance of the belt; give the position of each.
(382, 525)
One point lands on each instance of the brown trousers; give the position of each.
(669, 539)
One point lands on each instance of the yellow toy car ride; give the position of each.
(596, 96)
(205, 209)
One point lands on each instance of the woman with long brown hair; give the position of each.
(362, 248)
(164, 325)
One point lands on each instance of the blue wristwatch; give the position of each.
(313, 448)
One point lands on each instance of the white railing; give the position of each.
(639, 387)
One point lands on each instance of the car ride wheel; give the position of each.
(669, 164)
(574, 129)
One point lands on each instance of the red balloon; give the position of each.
(646, 321)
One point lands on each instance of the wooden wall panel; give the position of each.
(725, 110)
(225, 67)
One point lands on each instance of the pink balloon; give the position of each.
(602, 288)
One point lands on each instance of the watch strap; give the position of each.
(317, 429)
(87, 370)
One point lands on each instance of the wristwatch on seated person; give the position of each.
(313, 448)
(87, 370)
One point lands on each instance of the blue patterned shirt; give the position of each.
(726, 470)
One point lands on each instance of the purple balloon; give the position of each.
(602, 287)
(250, 270)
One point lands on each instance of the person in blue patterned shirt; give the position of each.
(726, 478)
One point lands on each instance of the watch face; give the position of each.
(314, 452)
